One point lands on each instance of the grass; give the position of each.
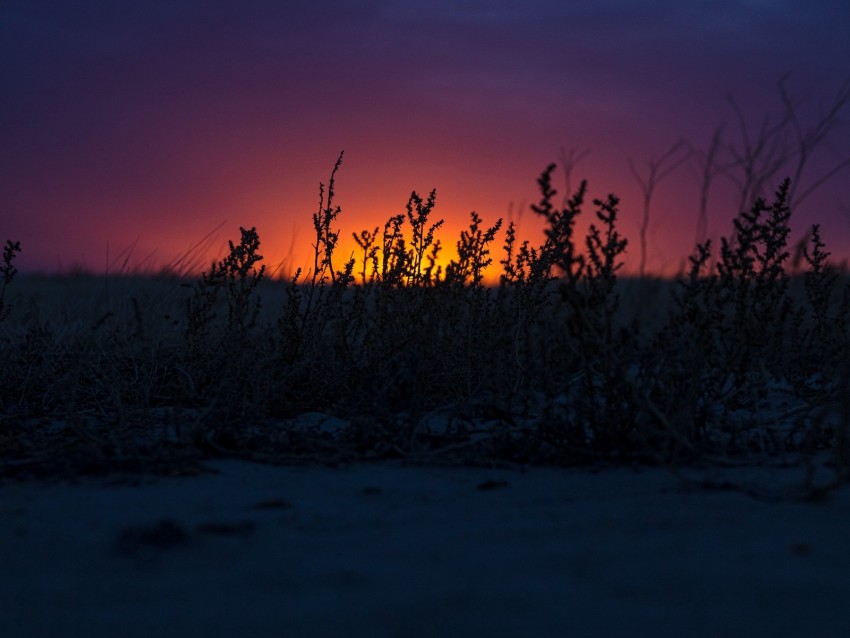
(389, 355)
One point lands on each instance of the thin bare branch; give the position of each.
(809, 139)
(569, 161)
(658, 168)
(710, 168)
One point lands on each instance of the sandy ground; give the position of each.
(393, 550)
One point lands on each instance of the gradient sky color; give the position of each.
(149, 124)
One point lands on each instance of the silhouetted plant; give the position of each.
(569, 161)
(559, 250)
(241, 276)
(326, 236)
(709, 168)
(781, 142)
(473, 253)
(394, 259)
(237, 277)
(8, 271)
(366, 241)
(657, 169)
(752, 273)
(422, 238)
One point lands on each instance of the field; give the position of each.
(559, 362)
(561, 390)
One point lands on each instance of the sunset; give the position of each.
(394, 318)
(147, 126)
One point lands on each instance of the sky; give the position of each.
(133, 130)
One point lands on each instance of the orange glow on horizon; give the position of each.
(287, 239)
(185, 236)
(157, 129)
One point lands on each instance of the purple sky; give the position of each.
(155, 122)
